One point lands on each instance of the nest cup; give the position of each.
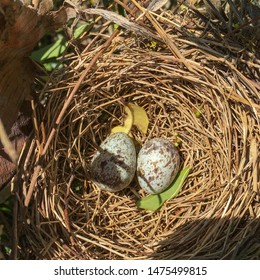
(210, 109)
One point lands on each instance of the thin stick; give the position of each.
(7, 144)
(165, 37)
(66, 210)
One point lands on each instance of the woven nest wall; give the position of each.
(216, 214)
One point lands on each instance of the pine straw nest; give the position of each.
(216, 214)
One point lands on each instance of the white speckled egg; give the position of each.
(114, 163)
(158, 162)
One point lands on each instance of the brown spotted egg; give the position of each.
(114, 164)
(158, 162)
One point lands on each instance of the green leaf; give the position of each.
(51, 51)
(5, 210)
(79, 30)
(154, 201)
(115, 26)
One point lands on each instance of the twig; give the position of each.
(7, 144)
(165, 38)
(130, 11)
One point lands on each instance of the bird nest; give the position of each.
(195, 94)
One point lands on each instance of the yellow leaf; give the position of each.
(140, 117)
(120, 128)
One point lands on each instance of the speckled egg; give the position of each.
(158, 162)
(114, 164)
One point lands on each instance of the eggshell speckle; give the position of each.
(113, 165)
(158, 162)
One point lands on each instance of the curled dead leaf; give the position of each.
(135, 115)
